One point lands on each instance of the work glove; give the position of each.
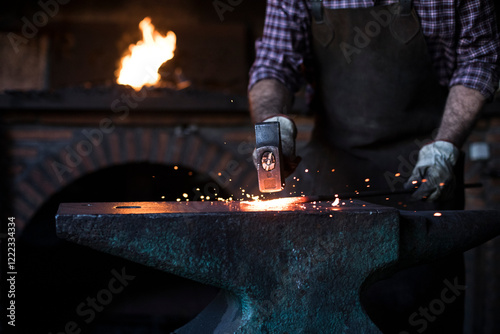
(288, 134)
(433, 174)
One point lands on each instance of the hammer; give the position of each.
(268, 153)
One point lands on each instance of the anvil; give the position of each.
(295, 268)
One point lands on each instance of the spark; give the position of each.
(176, 167)
(397, 174)
(438, 214)
(185, 195)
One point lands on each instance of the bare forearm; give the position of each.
(268, 98)
(461, 112)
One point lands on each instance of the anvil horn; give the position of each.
(426, 235)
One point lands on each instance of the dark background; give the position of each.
(77, 51)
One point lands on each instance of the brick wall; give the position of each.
(44, 156)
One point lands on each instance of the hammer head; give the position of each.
(268, 153)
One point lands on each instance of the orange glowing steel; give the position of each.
(280, 204)
(140, 67)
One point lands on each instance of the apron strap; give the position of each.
(406, 7)
(317, 10)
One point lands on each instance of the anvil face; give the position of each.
(295, 268)
(277, 205)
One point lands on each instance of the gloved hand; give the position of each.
(288, 133)
(433, 173)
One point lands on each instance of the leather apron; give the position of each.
(377, 101)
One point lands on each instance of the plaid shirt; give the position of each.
(462, 37)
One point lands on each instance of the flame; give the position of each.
(140, 67)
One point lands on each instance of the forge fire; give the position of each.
(139, 67)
